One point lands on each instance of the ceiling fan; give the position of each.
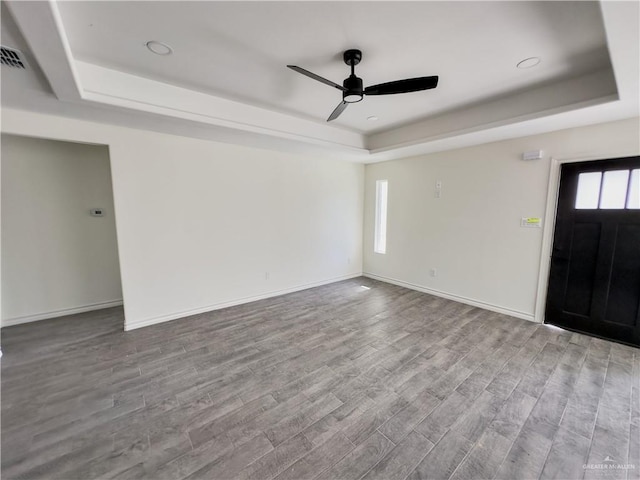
(352, 90)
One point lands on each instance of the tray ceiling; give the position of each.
(227, 69)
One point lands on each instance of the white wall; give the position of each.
(202, 224)
(471, 235)
(56, 258)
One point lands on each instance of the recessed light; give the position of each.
(372, 118)
(529, 62)
(159, 48)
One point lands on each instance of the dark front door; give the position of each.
(594, 283)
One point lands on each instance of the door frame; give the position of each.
(551, 211)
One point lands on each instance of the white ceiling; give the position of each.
(227, 77)
(239, 50)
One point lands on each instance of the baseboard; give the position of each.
(217, 306)
(451, 296)
(8, 322)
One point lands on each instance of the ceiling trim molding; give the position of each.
(40, 22)
(502, 123)
(104, 85)
(573, 94)
(607, 111)
(563, 104)
(623, 40)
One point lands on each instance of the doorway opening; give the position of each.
(59, 242)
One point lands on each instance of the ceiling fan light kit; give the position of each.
(352, 87)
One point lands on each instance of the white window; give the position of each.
(616, 189)
(588, 190)
(633, 200)
(380, 235)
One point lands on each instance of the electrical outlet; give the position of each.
(433, 272)
(266, 275)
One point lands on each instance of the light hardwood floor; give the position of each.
(335, 382)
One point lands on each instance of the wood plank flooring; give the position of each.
(335, 382)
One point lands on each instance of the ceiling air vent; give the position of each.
(11, 57)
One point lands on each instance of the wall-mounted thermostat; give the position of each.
(97, 212)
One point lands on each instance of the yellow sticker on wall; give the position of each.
(535, 222)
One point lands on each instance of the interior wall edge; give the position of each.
(9, 322)
(147, 322)
(457, 298)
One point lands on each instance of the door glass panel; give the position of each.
(588, 190)
(633, 200)
(614, 189)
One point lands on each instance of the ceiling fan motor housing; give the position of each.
(354, 89)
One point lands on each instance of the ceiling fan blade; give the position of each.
(316, 77)
(338, 110)
(403, 86)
